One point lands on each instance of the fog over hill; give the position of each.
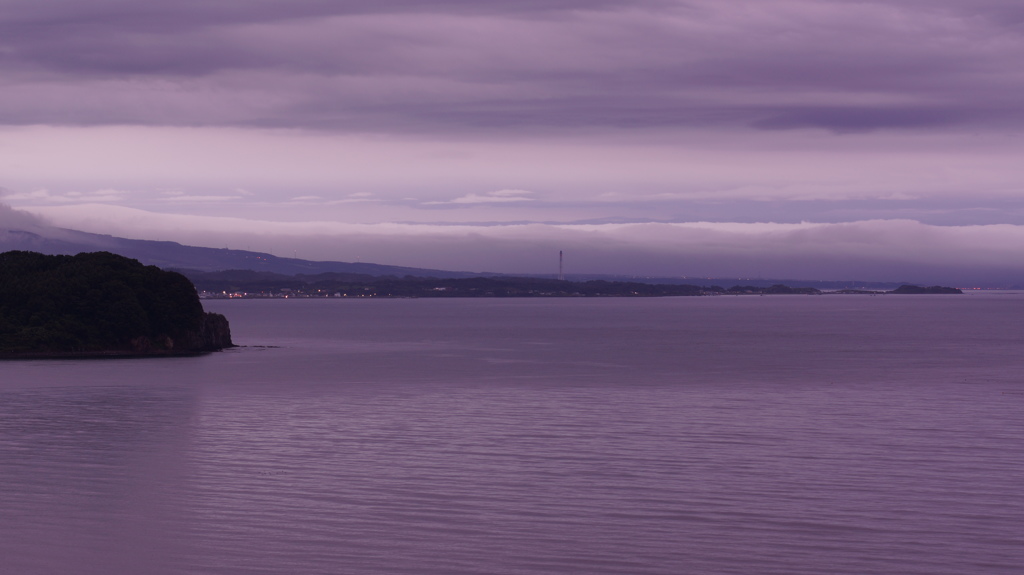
(172, 255)
(23, 231)
(20, 230)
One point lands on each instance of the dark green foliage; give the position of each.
(91, 302)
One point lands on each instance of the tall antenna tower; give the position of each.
(561, 274)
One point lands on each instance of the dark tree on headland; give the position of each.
(100, 303)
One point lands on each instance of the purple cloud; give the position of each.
(443, 113)
(496, 67)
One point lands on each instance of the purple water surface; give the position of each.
(787, 434)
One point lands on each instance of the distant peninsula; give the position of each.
(254, 284)
(907, 289)
(910, 289)
(98, 305)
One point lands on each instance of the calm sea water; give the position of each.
(746, 435)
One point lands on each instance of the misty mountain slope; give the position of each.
(172, 255)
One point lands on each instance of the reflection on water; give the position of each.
(711, 435)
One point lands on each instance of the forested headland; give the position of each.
(100, 304)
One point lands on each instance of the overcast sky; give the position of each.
(818, 139)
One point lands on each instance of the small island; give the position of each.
(100, 305)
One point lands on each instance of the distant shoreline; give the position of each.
(433, 288)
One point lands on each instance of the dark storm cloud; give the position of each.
(396, 65)
(193, 38)
(849, 119)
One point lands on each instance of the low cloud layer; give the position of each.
(877, 250)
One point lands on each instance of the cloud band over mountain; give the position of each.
(878, 250)
(878, 123)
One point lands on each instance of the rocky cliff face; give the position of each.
(214, 334)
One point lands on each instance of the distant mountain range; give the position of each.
(175, 256)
